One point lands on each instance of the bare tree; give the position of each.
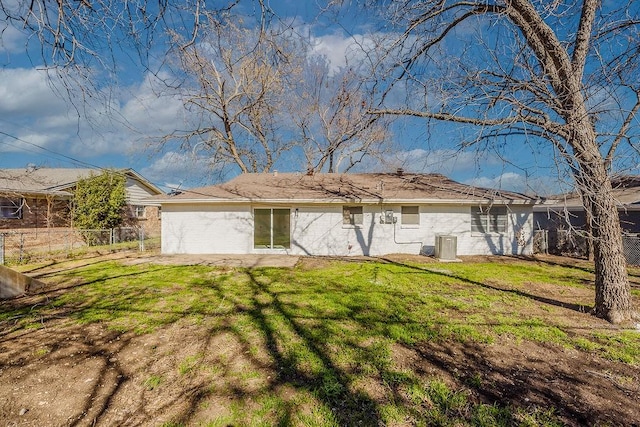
(85, 32)
(331, 116)
(256, 94)
(560, 72)
(235, 79)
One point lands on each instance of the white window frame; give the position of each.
(139, 211)
(271, 245)
(352, 219)
(11, 207)
(404, 216)
(489, 219)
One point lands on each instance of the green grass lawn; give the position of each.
(330, 333)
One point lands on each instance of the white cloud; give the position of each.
(12, 40)
(447, 162)
(34, 109)
(27, 91)
(340, 49)
(185, 169)
(511, 181)
(506, 181)
(151, 110)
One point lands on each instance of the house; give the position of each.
(560, 222)
(566, 212)
(35, 198)
(344, 214)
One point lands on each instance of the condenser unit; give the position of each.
(446, 247)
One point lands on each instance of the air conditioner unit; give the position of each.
(446, 247)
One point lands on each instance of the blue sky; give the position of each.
(38, 124)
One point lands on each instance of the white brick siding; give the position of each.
(206, 229)
(318, 230)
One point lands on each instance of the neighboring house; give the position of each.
(344, 214)
(566, 212)
(36, 198)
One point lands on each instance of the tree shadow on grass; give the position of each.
(545, 300)
(568, 387)
(277, 327)
(30, 304)
(331, 384)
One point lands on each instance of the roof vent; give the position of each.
(275, 173)
(400, 171)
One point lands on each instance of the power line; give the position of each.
(63, 156)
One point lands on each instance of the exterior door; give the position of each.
(272, 228)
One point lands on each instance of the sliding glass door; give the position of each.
(272, 228)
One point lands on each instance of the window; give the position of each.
(410, 215)
(138, 211)
(489, 220)
(272, 228)
(352, 215)
(11, 208)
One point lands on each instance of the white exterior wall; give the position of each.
(318, 230)
(206, 229)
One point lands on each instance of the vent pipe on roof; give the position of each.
(399, 171)
(275, 173)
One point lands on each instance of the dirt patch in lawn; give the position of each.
(61, 373)
(583, 389)
(72, 375)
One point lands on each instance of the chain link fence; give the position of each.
(575, 244)
(17, 247)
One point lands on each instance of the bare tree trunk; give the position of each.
(612, 284)
(613, 300)
(588, 211)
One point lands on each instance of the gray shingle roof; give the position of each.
(40, 181)
(626, 192)
(327, 188)
(53, 181)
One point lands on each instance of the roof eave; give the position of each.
(347, 200)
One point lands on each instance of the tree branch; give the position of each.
(623, 131)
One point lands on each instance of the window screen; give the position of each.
(352, 215)
(410, 215)
(489, 220)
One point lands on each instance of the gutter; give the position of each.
(473, 202)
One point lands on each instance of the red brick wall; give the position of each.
(39, 213)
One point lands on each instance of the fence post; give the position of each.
(21, 246)
(112, 236)
(141, 237)
(2, 249)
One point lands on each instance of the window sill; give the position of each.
(410, 226)
(267, 248)
(351, 226)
